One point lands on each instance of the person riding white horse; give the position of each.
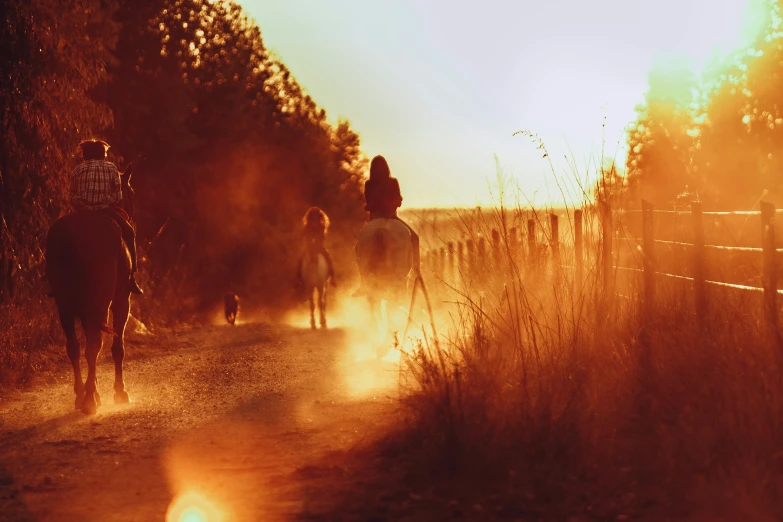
(315, 266)
(387, 249)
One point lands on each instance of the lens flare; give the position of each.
(192, 507)
(193, 514)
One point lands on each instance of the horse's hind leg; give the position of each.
(120, 309)
(322, 305)
(91, 397)
(72, 347)
(312, 310)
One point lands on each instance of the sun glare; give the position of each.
(192, 507)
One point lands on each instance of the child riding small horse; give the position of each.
(315, 223)
(315, 265)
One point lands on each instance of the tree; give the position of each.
(229, 150)
(662, 142)
(54, 52)
(723, 144)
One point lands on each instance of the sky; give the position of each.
(439, 87)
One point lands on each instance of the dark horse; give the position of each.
(89, 269)
(231, 307)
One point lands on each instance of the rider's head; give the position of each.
(316, 215)
(379, 168)
(94, 149)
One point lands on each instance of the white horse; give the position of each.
(315, 275)
(387, 254)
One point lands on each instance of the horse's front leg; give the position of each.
(72, 347)
(120, 310)
(312, 309)
(322, 305)
(92, 398)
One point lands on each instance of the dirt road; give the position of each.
(249, 422)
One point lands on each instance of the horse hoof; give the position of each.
(89, 407)
(121, 397)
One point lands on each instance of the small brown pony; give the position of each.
(89, 269)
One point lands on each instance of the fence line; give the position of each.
(532, 251)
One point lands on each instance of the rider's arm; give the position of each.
(116, 184)
(370, 195)
(395, 197)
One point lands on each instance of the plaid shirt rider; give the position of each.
(95, 185)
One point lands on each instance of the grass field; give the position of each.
(542, 389)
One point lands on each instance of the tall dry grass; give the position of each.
(28, 326)
(548, 392)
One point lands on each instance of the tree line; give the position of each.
(716, 138)
(228, 150)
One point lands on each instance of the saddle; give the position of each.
(119, 210)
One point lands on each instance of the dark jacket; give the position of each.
(382, 196)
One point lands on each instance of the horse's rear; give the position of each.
(315, 275)
(88, 267)
(385, 256)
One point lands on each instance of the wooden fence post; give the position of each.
(532, 248)
(648, 256)
(442, 262)
(554, 241)
(699, 286)
(607, 231)
(578, 253)
(496, 248)
(471, 254)
(450, 254)
(461, 266)
(769, 268)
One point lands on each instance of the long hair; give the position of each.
(379, 168)
(315, 215)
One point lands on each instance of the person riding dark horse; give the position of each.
(89, 268)
(96, 186)
(315, 223)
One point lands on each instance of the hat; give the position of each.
(93, 148)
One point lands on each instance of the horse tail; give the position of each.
(379, 248)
